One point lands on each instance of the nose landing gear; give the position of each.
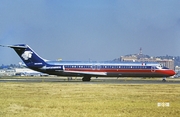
(164, 79)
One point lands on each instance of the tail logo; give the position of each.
(27, 55)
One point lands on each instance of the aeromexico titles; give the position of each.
(88, 69)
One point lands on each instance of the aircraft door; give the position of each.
(93, 67)
(98, 67)
(153, 68)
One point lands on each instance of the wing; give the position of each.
(87, 73)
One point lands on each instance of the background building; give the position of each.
(140, 57)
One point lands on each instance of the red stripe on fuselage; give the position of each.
(166, 72)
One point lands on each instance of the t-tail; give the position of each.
(29, 57)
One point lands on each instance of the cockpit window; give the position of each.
(159, 66)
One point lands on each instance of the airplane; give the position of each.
(88, 69)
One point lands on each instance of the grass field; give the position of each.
(88, 100)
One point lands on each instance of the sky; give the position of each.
(85, 30)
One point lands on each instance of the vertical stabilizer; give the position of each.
(29, 57)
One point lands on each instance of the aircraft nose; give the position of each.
(171, 72)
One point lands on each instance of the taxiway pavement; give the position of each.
(93, 80)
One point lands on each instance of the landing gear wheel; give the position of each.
(164, 79)
(86, 78)
(69, 78)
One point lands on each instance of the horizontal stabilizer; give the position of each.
(14, 46)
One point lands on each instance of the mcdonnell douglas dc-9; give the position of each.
(88, 69)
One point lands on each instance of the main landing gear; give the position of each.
(86, 78)
(164, 79)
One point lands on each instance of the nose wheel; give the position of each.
(164, 79)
